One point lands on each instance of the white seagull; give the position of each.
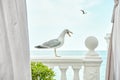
(55, 43)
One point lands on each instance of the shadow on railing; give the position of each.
(90, 62)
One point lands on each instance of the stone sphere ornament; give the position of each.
(91, 43)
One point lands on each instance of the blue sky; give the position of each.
(48, 18)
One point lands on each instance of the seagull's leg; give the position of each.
(56, 53)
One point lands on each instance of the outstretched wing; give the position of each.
(52, 43)
(83, 11)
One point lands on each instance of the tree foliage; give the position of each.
(41, 72)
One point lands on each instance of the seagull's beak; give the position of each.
(69, 33)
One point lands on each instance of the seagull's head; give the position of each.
(68, 32)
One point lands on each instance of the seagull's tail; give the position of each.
(40, 46)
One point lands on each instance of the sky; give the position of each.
(48, 18)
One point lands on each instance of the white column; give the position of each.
(63, 72)
(107, 38)
(92, 60)
(76, 72)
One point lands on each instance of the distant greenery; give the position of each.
(41, 71)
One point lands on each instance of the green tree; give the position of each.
(41, 72)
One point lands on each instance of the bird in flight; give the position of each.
(55, 43)
(83, 11)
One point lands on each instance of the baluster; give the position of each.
(63, 72)
(76, 72)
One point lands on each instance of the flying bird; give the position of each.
(83, 11)
(55, 43)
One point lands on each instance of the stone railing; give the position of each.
(90, 63)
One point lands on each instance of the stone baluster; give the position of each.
(63, 70)
(76, 72)
(92, 60)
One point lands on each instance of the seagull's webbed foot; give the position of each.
(57, 56)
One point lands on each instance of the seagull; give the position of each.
(83, 11)
(55, 43)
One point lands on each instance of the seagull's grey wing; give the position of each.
(52, 43)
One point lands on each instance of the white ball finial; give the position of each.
(91, 43)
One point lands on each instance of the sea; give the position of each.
(102, 53)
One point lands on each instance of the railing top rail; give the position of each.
(58, 59)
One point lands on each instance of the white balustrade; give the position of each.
(90, 62)
(63, 63)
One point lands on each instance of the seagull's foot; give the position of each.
(57, 56)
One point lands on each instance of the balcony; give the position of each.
(88, 64)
